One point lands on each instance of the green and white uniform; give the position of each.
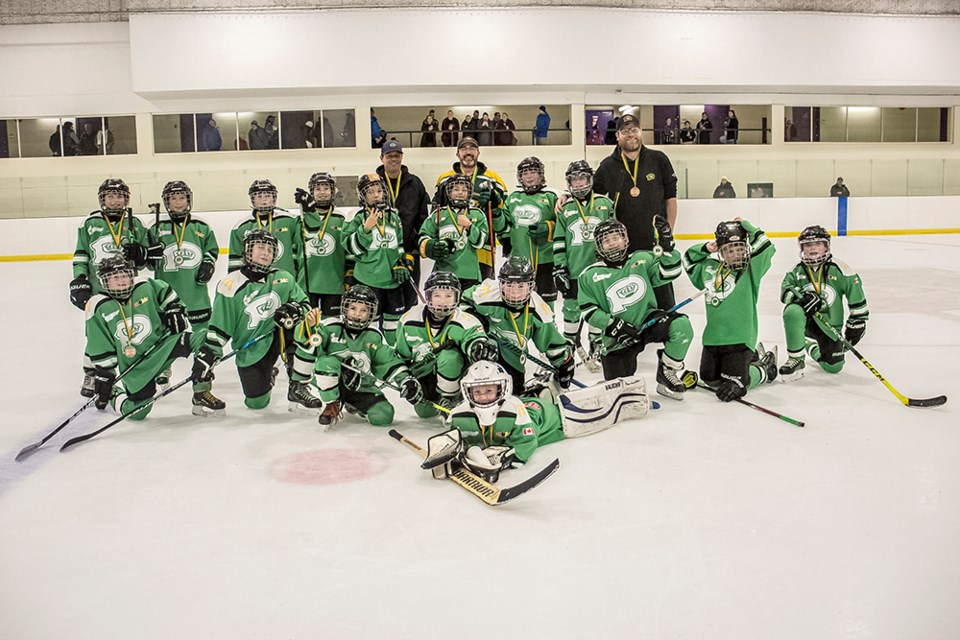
(521, 423)
(524, 211)
(442, 224)
(325, 257)
(97, 238)
(285, 227)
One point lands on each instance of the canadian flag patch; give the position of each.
(528, 431)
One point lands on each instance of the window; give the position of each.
(866, 124)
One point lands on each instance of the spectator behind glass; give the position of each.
(504, 135)
(257, 137)
(839, 190)
(211, 140)
(704, 127)
(429, 127)
(349, 132)
(724, 189)
(88, 140)
(451, 130)
(542, 126)
(467, 127)
(273, 134)
(54, 142)
(485, 131)
(731, 128)
(669, 135)
(789, 131)
(610, 136)
(71, 143)
(377, 135)
(105, 134)
(687, 134)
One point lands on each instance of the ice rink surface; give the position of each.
(701, 521)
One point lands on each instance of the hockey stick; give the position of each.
(490, 493)
(151, 401)
(796, 423)
(909, 402)
(30, 448)
(532, 358)
(377, 382)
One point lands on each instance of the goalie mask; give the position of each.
(359, 307)
(517, 280)
(259, 250)
(530, 175)
(371, 192)
(323, 188)
(814, 246)
(114, 197)
(732, 245)
(177, 200)
(611, 241)
(579, 176)
(459, 190)
(485, 386)
(116, 277)
(442, 291)
(263, 196)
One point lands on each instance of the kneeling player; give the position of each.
(728, 364)
(123, 329)
(255, 301)
(438, 339)
(816, 287)
(500, 430)
(350, 358)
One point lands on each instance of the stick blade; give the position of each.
(26, 451)
(927, 402)
(509, 493)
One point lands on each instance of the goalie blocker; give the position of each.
(491, 434)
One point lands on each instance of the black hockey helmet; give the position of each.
(117, 186)
(356, 300)
(259, 237)
(531, 163)
(732, 246)
(109, 268)
(611, 228)
(441, 280)
(811, 236)
(172, 187)
(321, 178)
(458, 179)
(371, 191)
(517, 270)
(262, 186)
(579, 169)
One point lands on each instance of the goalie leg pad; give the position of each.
(592, 409)
(442, 450)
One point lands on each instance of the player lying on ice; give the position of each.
(492, 429)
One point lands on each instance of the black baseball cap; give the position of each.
(391, 145)
(627, 121)
(467, 141)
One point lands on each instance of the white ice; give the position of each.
(702, 520)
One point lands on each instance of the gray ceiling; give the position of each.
(43, 11)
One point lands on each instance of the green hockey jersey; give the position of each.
(285, 226)
(185, 247)
(377, 252)
(368, 349)
(243, 310)
(418, 336)
(626, 292)
(325, 257)
(731, 298)
(522, 423)
(523, 211)
(97, 239)
(114, 327)
(442, 223)
(833, 281)
(573, 243)
(513, 329)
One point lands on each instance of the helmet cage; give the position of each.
(366, 299)
(455, 180)
(322, 178)
(255, 239)
(172, 188)
(613, 254)
(109, 269)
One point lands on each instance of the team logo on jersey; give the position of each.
(625, 292)
(450, 233)
(260, 307)
(582, 232)
(186, 256)
(321, 247)
(827, 293)
(386, 239)
(103, 247)
(421, 350)
(138, 325)
(527, 215)
(651, 177)
(715, 296)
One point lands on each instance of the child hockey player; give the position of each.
(728, 364)
(104, 233)
(325, 263)
(514, 315)
(350, 358)
(573, 248)
(495, 430)
(438, 340)
(530, 222)
(815, 287)
(616, 296)
(280, 223)
(249, 302)
(375, 238)
(452, 234)
(124, 324)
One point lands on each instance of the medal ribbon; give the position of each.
(817, 284)
(636, 167)
(393, 192)
(126, 325)
(516, 329)
(580, 208)
(442, 335)
(115, 235)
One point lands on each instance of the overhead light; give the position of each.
(625, 108)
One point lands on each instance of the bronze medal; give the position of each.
(635, 192)
(657, 250)
(130, 351)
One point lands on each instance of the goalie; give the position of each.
(492, 429)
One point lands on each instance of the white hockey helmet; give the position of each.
(485, 386)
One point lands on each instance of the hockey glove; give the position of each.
(540, 231)
(561, 280)
(437, 249)
(205, 272)
(622, 332)
(810, 302)
(174, 318)
(664, 233)
(488, 463)
(288, 315)
(410, 390)
(730, 389)
(80, 292)
(443, 453)
(507, 245)
(854, 330)
(304, 199)
(424, 365)
(482, 349)
(140, 255)
(350, 376)
(203, 363)
(103, 380)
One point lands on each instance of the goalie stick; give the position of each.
(490, 493)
